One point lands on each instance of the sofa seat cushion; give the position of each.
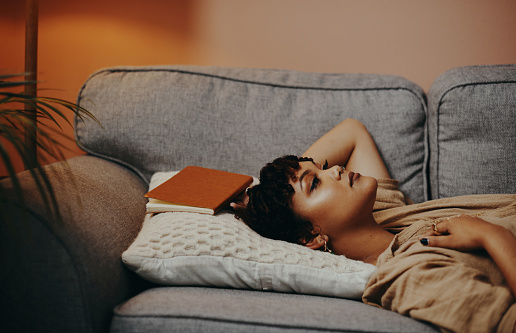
(162, 118)
(192, 309)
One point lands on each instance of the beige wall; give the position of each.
(413, 38)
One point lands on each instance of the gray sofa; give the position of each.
(459, 139)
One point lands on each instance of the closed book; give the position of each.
(196, 189)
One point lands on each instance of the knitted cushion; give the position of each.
(205, 250)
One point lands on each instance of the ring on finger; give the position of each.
(434, 226)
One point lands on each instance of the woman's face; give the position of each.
(333, 199)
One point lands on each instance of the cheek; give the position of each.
(336, 204)
(339, 205)
(315, 207)
(327, 204)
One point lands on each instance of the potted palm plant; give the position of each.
(29, 124)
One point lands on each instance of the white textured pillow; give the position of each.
(203, 250)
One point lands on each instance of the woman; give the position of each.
(457, 272)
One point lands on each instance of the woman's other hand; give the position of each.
(240, 202)
(469, 233)
(463, 233)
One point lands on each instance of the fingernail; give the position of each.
(424, 241)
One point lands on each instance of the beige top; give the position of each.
(456, 291)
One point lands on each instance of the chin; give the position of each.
(372, 188)
(370, 183)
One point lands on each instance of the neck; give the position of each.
(364, 243)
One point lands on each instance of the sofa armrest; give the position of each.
(68, 276)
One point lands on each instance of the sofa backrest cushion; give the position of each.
(472, 131)
(163, 118)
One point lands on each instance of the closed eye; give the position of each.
(315, 183)
(316, 180)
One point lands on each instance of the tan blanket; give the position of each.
(458, 292)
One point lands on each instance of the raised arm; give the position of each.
(469, 233)
(349, 144)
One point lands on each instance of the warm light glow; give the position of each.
(415, 39)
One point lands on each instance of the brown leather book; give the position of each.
(196, 189)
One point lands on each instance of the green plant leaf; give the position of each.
(24, 115)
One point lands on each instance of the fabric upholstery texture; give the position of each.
(472, 131)
(189, 309)
(165, 118)
(67, 277)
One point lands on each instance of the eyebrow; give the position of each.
(306, 172)
(303, 176)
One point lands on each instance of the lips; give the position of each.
(350, 175)
(353, 177)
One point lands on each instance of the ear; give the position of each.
(317, 242)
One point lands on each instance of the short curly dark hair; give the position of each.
(269, 210)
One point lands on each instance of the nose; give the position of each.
(336, 171)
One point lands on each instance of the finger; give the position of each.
(435, 241)
(435, 230)
(440, 227)
(236, 206)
